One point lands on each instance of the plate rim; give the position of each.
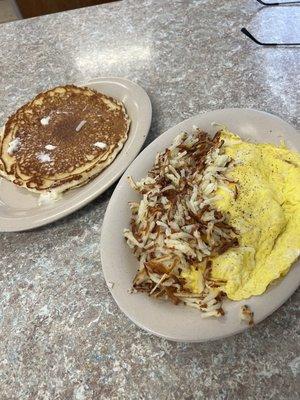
(106, 218)
(131, 155)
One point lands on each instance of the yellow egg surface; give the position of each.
(194, 279)
(266, 214)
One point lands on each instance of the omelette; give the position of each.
(266, 213)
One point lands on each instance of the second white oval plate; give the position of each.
(19, 208)
(181, 323)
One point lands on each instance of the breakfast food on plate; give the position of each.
(61, 139)
(247, 314)
(218, 218)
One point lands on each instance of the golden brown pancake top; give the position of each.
(57, 147)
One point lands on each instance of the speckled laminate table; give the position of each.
(61, 334)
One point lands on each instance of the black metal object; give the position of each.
(248, 34)
(278, 4)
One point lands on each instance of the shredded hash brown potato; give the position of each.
(175, 228)
(247, 315)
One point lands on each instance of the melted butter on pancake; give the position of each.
(13, 146)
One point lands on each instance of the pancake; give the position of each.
(62, 138)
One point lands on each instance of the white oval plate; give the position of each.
(19, 208)
(159, 317)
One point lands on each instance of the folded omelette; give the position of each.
(266, 214)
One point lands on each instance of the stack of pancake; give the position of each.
(62, 138)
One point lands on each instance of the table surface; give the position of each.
(61, 334)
